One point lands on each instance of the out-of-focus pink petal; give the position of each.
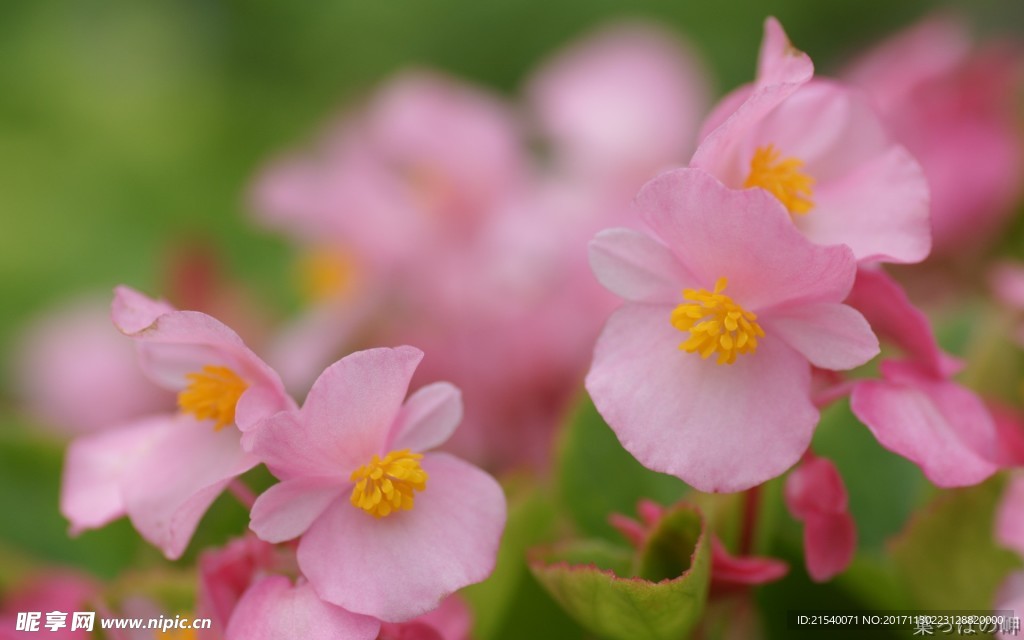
(448, 540)
(829, 335)
(90, 493)
(1010, 515)
(815, 487)
(636, 267)
(1010, 597)
(1010, 427)
(939, 425)
(46, 591)
(719, 428)
(285, 510)
(273, 609)
(1007, 282)
(830, 542)
(170, 486)
(729, 572)
(345, 419)
(623, 101)
(428, 418)
(709, 229)
(77, 373)
(133, 312)
(225, 574)
(450, 621)
(815, 494)
(893, 317)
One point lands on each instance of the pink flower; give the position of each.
(731, 573)
(953, 108)
(275, 609)
(1010, 597)
(822, 151)
(935, 423)
(450, 621)
(816, 496)
(724, 273)
(622, 103)
(60, 591)
(386, 530)
(77, 374)
(164, 471)
(226, 574)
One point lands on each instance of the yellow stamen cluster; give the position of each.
(327, 273)
(783, 178)
(386, 485)
(212, 394)
(716, 324)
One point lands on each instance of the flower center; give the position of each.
(386, 485)
(212, 394)
(327, 273)
(782, 178)
(716, 324)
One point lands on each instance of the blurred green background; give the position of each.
(128, 128)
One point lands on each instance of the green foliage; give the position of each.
(662, 601)
(597, 477)
(948, 557)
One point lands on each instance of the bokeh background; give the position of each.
(130, 132)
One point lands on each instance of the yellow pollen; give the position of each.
(386, 485)
(212, 394)
(716, 324)
(326, 273)
(781, 177)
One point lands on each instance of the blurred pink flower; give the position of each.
(1010, 597)
(816, 496)
(953, 108)
(275, 609)
(164, 471)
(450, 621)
(621, 104)
(60, 591)
(416, 527)
(731, 573)
(226, 573)
(77, 374)
(1010, 515)
(755, 294)
(822, 151)
(920, 414)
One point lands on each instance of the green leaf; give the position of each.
(662, 601)
(598, 477)
(948, 556)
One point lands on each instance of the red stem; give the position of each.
(242, 493)
(751, 507)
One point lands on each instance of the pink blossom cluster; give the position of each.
(713, 284)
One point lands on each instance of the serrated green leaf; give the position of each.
(663, 601)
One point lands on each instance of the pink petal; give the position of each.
(176, 343)
(285, 510)
(781, 71)
(729, 572)
(624, 100)
(779, 61)
(893, 317)
(830, 336)
(345, 420)
(225, 574)
(815, 488)
(830, 541)
(718, 427)
(940, 426)
(1010, 515)
(1010, 598)
(401, 566)
(428, 418)
(171, 486)
(272, 609)
(746, 236)
(880, 210)
(133, 312)
(634, 266)
(90, 494)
